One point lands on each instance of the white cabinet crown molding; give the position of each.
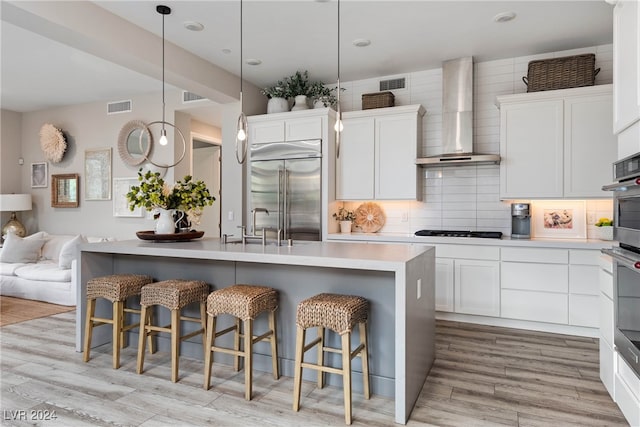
(373, 112)
(553, 94)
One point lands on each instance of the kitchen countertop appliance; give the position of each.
(285, 189)
(626, 259)
(520, 221)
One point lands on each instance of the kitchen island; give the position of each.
(398, 280)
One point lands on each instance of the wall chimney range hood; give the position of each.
(457, 118)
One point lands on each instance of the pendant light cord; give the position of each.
(163, 102)
(241, 77)
(339, 118)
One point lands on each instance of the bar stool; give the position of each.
(174, 295)
(115, 288)
(339, 313)
(245, 303)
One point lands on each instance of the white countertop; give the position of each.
(504, 242)
(385, 257)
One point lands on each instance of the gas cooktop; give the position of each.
(459, 233)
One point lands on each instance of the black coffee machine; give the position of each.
(520, 221)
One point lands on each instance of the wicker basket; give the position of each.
(377, 100)
(561, 73)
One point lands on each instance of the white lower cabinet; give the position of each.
(627, 388)
(444, 284)
(468, 279)
(477, 287)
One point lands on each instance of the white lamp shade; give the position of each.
(15, 202)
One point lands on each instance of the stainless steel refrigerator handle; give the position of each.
(278, 196)
(284, 208)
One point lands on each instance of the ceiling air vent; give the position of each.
(119, 107)
(392, 84)
(190, 97)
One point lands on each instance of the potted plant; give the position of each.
(154, 194)
(345, 217)
(323, 96)
(605, 229)
(277, 95)
(298, 88)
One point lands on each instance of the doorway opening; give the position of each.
(206, 165)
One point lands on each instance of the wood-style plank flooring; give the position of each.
(483, 376)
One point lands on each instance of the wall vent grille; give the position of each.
(190, 97)
(393, 84)
(119, 107)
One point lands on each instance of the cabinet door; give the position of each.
(626, 69)
(271, 131)
(589, 145)
(355, 165)
(396, 152)
(531, 148)
(301, 129)
(477, 287)
(444, 284)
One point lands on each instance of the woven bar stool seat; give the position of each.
(245, 303)
(339, 313)
(116, 288)
(174, 295)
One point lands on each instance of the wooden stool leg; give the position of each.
(116, 332)
(123, 319)
(274, 345)
(150, 336)
(203, 324)
(346, 375)
(210, 334)
(236, 344)
(321, 356)
(175, 343)
(88, 328)
(364, 355)
(248, 358)
(297, 372)
(144, 317)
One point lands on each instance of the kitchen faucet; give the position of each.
(254, 211)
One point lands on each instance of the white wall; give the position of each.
(465, 197)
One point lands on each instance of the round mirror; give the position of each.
(134, 142)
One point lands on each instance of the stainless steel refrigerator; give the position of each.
(286, 181)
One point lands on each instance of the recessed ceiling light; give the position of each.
(193, 26)
(504, 17)
(227, 51)
(361, 42)
(252, 61)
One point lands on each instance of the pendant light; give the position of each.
(338, 125)
(242, 131)
(165, 10)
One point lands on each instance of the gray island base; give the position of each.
(398, 280)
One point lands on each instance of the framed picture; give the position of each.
(560, 219)
(65, 190)
(39, 175)
(97, 174)
(121, 187)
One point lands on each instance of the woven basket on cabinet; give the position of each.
(561, 73)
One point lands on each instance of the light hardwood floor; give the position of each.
(482, 376)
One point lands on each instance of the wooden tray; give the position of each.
(174, 237)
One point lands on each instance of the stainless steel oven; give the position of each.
(626, 259)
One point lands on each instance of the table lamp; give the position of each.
(12, 203)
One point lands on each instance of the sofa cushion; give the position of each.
(68, 251)
(9, 268)
(53, 246)
(17, 249)
(44, 271)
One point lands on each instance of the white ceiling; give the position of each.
(295, 35)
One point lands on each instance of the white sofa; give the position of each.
(41, 267)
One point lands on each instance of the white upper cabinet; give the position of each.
(288, 126)
(556, 144)
(626, 67)
(378, 151)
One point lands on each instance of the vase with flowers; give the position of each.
(277, 95)
(154, 193)
(345, 217)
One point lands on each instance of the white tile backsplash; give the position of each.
(467, 197)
